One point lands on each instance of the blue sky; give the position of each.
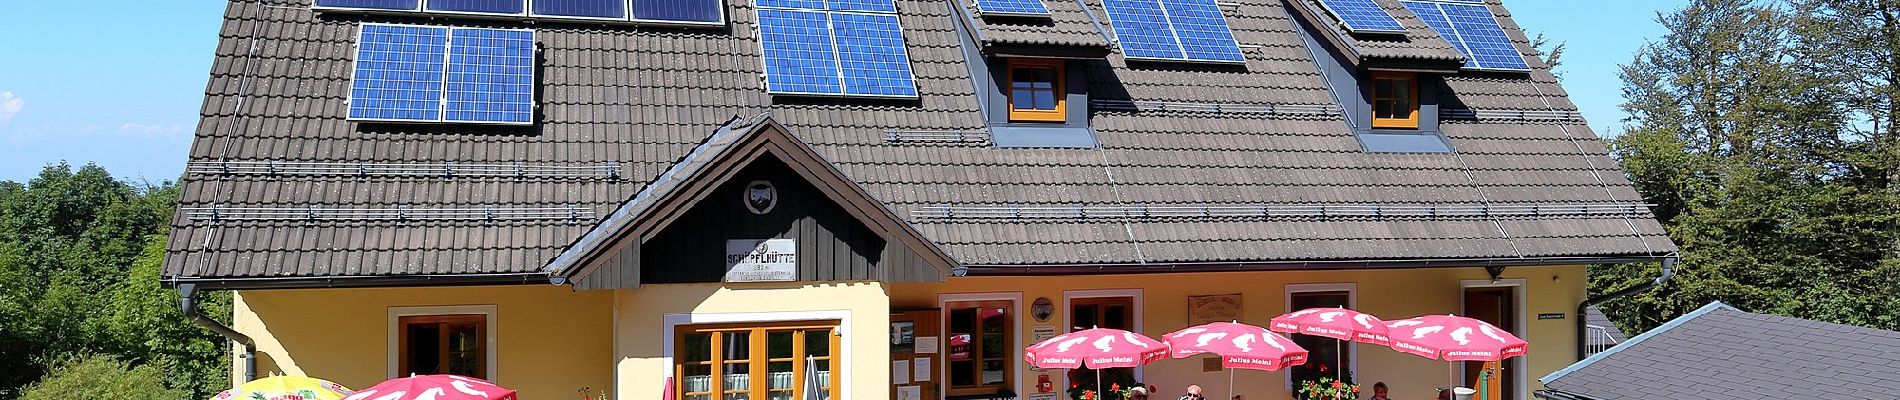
(125, 91)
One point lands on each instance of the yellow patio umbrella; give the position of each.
(285, 388)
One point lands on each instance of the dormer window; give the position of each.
(1394, 100)
(1035, 90)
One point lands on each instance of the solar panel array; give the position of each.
(1362, 16)
(689, 12)
(408, 73)
(1032, 8)
(1173, 30)
(834, 48)
(1471, 27)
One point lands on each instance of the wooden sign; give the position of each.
(1214, 308)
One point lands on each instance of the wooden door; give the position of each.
(1494, 305)
(916, 339)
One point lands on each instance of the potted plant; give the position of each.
(1321, 382)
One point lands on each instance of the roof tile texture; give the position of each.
(1727, 353)
(641, 97)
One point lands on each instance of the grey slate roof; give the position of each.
(1067, 25)
(635, 100)
(1719, 352)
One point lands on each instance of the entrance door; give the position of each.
(1102, 312)
(1497, 306)
(907, 329)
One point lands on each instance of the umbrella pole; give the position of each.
(1098, 384)
(1339, 360)
(1230, 383)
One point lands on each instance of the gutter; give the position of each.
(1166, 268)
(187, 302)
(1668, 270)
(357, 281)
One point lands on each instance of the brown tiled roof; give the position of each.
(1719, 352)
(1419, 42)
(1067, 25)
(623, 104)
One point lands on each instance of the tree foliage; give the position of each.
(80, 254)
(102, 377)
(1762, 131)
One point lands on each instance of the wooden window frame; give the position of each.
(758, 358)
(1372, 86)
(1060, 113)
(442, 353)
(1010, 336)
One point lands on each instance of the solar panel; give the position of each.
(807, 5)
(1474, 30)
(490, 76)
(883, 6)
(1203, 31)
(501, 7)
(1362, 16)
(1142, 29)
(1012, 7)
(799, 58)
(690, 11)
(1175, 30)
(871, 55)
(1486, 41)
(391, 5)
(834, 47)
(590, 9)
(398, 73)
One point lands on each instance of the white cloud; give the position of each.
(10, 106)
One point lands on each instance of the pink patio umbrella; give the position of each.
(1453, 338)
(1096, 348)
(1337, 323)
(1238, 345)
(434, 387)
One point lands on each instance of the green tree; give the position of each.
(102, 377)
(1763, 168)
(80, 254)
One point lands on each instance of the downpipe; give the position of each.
(188, 302)
(1583, 326)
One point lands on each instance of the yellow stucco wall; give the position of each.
(641, 334)
(549, 340)
(1390, 294)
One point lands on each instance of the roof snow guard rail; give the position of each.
(1267, 110)
(366, 170)
(1510, 115)
(900, 136)
(1260, 211)
(570, 214)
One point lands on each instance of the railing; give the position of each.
(1598, 340)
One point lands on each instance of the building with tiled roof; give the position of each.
(637, 186)
(1720, 352)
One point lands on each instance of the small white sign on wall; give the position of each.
(761, 260)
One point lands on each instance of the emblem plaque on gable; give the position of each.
(760, 197)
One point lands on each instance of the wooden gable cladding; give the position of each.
(675, 231)
(832, 246)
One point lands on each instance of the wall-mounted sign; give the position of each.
(761, 260)
(1550, 316)
(760, 197)
(1041, 309)
(1215, 308)
(903, 336)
